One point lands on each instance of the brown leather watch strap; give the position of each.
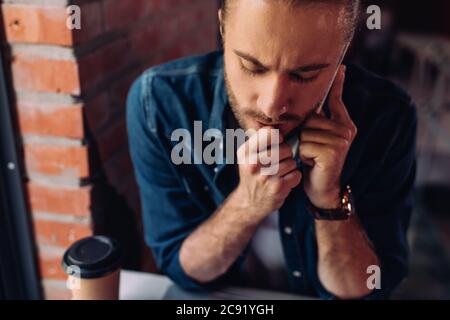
(344, 212)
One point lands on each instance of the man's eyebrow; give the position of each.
(248, 57)
(305, 68)
(312, 67)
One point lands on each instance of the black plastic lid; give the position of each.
(92, 257)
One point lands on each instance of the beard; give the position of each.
(287, 123)
(240, 117)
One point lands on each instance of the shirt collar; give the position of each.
(220, 102)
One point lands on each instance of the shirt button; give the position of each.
(288, 230)
(216, 169)
(297, 274)
(206, 188)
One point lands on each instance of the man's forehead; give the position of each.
(320, 17)
(288, 4)
(275, 34)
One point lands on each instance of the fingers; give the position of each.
(285, 151)
(338, 110)
(263, 139)
(286, 166)
(265, 147)
(340, 122)
(320, 154)
(325, 137)
(309, 151)
(292, 179)
(318, 122)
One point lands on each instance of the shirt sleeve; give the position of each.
(384, 202)
(169, 215)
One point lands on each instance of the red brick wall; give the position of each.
(69, 89)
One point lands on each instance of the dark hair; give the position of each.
(352, 6)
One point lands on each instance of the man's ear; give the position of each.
(220, 16)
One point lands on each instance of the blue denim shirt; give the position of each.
(176, 199)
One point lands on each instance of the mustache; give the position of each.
(261, 117)
(283, 119)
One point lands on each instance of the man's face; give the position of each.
(280, 60)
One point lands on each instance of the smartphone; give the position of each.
(293, 139)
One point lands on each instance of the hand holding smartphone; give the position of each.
(293, 139)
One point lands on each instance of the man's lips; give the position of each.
(273, 125)
(285, 128)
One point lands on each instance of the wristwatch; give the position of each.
(344, 212)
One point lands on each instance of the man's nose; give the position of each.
(273, 99)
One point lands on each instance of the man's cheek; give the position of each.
(245, 94)
(307, 98)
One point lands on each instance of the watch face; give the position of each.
(342, 213)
